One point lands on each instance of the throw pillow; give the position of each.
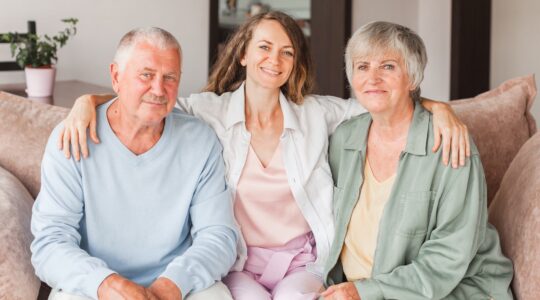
(500, 123)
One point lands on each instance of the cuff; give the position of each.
(180, 278)
(94, 280)
(369, 289)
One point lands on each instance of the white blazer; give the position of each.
(304, 143)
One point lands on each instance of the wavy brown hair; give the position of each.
(228, 74)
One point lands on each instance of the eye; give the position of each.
(362, 67)
(264, 47)
(146, 76)
(170, 78)
(288, 53)
(388, 67)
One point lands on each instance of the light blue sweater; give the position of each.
(165, 213)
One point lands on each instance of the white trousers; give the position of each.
(217, 291)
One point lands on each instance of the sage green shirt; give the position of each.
(434, 241)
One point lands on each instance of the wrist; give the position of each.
(91, 100)
(165, 288)
(110, 282)
(438, 105)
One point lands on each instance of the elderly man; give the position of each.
(148, 215)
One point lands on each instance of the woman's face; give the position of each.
(269, 56)
(381, 82)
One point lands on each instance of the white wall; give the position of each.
(397, 11)
(434, 26)
(515, 42)
(431, 20)
(101, 25)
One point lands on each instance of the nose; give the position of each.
(158, 87)
(273, 57)
(374, 75)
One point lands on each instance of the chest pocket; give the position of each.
(415, 211)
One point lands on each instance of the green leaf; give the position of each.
(37, 51)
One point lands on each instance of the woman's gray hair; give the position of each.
(154, 36)
(381, 37)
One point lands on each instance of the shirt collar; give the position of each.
(417, 137)
(236, 110)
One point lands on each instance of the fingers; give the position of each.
(82, 141)
(329, 291)
(93, 131)
(462, 147)
(467, 142)
(75, 145)
(437, 142)
(60, 140)
(66, 139)
(446, 143)
(455, 147)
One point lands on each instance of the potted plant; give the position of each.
(37, 55)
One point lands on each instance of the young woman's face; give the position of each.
(269, 57)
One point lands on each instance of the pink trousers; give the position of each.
(277, 273)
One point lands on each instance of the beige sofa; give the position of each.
(499, 121)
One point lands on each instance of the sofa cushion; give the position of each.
(515, 212)
(24, 130)
(500, 123)
(17, 279)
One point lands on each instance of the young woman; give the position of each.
(275, 141)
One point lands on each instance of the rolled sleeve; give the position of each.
(369, 289)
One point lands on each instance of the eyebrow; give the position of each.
(155, 71)
(268, 42)
(148, 69)
(382, 62)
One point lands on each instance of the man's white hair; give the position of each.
(154, 36)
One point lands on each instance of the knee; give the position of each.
(216, 291)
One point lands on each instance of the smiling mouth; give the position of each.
(375, 92)
(154, 103)
(270, 72)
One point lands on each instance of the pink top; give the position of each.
(264, 206)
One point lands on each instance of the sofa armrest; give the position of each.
(17, 277)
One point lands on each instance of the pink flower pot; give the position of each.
(40, 81)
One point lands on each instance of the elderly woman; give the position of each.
(407, 226)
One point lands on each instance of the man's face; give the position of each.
(148, 86)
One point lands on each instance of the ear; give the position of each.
(114, 71)
(243, 60)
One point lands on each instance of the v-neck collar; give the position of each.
(113, 140)
(271, 162)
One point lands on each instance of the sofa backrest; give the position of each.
(25, 127)
(515, 212)
(500, 123)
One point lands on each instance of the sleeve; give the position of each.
(334, 155)
(338, 110)
(214, 233)
(445, 256)
(185, 104)
(56, 254)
